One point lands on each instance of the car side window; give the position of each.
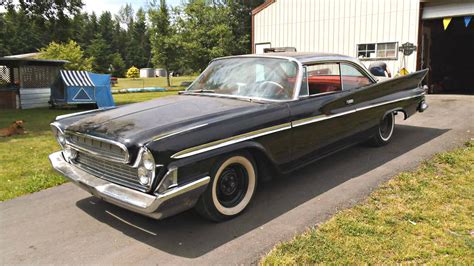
(323, 78)
(353, 77)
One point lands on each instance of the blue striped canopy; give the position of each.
(76, 78)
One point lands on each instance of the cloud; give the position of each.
(113, 6)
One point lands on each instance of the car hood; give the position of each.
(141, 122)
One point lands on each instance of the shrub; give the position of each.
(133, 72)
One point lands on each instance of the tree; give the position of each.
(49, 9)
(138, 44)
(163, 40)
(100, 51)
(117, 65)
(71, 52)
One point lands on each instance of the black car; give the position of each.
(245, 118)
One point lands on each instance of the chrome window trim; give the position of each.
(94, 153)
(270, 130)
(296, 91)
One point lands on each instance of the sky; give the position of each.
(98, 6)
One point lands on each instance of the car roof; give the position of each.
(303, 57)
(306, 57)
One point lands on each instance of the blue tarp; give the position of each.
(80, 87)
(103, 94)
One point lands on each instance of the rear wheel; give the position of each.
(232, 186)
(384, 132)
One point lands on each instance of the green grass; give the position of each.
(24, 164)
(425, 216)
(124, 83)
(124, 98)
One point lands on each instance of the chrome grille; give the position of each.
(114, 172)
(107, 149)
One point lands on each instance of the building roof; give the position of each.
(16, 62)
(27, 55)
(306, 57)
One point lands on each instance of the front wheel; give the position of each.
(384, 132)
(232, 186)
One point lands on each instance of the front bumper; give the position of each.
(157, 206)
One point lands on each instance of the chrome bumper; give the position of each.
(157, 206)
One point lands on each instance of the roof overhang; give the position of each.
(262, 6)
(16, 62)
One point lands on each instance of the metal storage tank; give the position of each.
(147, 73)
(160, 72)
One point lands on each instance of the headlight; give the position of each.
(61, 139)
(144, 176)
(146, 168)
(148, 161)
(58, 134)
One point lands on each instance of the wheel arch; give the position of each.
(396, 111)
(266, 165)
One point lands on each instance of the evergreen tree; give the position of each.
(100, 51)
(163, 39)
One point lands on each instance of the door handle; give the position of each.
(350, 101)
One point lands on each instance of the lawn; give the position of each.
(124, 83)
(425, 216)
(24, 164)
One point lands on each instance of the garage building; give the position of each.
(375, 30)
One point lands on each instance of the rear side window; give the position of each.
(323, 78)
(353, 77)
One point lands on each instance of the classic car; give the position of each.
(244, 119)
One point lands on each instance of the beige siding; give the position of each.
(337, 26)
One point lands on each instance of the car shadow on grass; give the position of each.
(188, 235)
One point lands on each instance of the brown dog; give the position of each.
(16, 128)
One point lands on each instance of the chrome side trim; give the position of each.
(94, 153)
(319, 118)
(266, 131)
(172, 133)
(229, 141)
(59, 117)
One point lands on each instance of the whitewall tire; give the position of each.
(384, 131)
(232, 186)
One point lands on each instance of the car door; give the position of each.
(321, 117)
(356, 82)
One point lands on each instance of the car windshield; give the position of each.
(250, 77)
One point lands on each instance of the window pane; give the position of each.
(381, 54)
(391, 45)
(352, 77)
(323, 78)
(304, 83)
(371, 46)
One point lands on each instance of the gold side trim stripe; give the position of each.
(270, 130)
(319, 118)
(229, 141)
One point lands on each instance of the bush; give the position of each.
(133, 72)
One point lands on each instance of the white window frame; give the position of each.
(375, 51)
